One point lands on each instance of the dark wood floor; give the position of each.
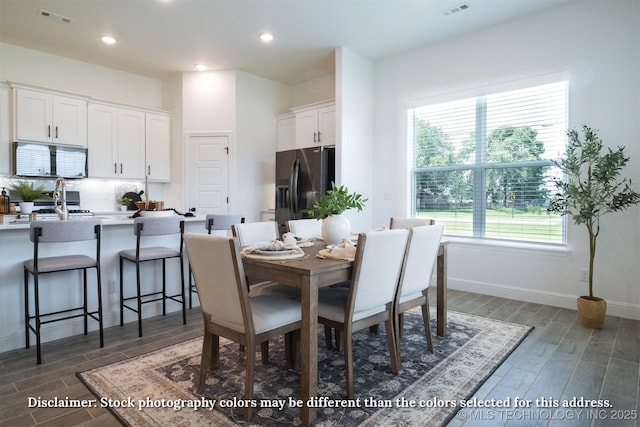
(558, 360)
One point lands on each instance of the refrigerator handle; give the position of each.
(293, 186)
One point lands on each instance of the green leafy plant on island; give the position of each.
(27, 192)
(336, 201)
(593, 186)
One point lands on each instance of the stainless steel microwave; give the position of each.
(31, 159)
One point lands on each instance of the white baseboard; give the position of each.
(614, 308)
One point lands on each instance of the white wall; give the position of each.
(354, 132)
(598, 44)
(258, 103)
(37, 68)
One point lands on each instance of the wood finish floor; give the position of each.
(559, 360)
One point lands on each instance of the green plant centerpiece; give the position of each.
(592, 188)
(330, 208)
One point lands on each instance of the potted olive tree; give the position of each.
(592, 188)
(27, 193)
(330, 208)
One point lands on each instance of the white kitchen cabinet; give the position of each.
(286, 132)
(49, 117)
(131, 144)
(158, 146)
(5, 129)
(315, 125)
(116, 142)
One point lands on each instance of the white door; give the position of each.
(208, 170)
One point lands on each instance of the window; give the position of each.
(482, 166)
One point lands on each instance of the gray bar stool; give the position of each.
(53, 231)
(213, 222)
(153, 226)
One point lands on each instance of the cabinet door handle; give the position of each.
(115, 167)
(56, 132)
(318, 136)
(149, 170)
(49, 131)
(314, 137)
(120, 168)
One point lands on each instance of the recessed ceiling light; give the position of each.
(108, 40)
(201, 67)
(266, 37)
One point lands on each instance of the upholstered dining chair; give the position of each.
(249, 233)
(148, 228)
(214, 222)
(370, 298)
(409, 222)
(417, 268)
(229, 312)
(58, 232)
(305, 228)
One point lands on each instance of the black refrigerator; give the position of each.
(302, 177)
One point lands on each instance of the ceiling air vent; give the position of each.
(455, 9)
(54, 16)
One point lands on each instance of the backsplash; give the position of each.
(96, 195)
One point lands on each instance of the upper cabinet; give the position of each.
(49, 117)
(315, 125)
(116, 142)
(5, 129)
(128, 143)
(158, 146)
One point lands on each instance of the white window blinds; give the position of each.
(482, 166)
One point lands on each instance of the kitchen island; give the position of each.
(64, 289)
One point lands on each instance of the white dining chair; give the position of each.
(409, 222)
(249, 233)
(417, 268)
(305, 228)
(229, 312)
(370, 298)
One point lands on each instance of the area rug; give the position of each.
(157, 388)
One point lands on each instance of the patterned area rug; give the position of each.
(157, 388)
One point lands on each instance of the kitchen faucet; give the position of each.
(60, 193)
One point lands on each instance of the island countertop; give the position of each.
(14, 222)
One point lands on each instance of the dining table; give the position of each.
(310, 273)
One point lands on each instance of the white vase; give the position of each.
(335, 228)
(26, 207)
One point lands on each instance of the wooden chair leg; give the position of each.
(426, 319)
(205, 360)
(215, 351)
(248, 385)
(339, 339)
(328, 337)
(348, 362)
(391, 343)
(264, 348)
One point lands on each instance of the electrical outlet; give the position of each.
(584, 275)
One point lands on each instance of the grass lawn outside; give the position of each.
(502, 223)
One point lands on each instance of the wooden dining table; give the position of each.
(311, 273)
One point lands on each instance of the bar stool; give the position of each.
(213, 222)
(147, 227)
(58, 232)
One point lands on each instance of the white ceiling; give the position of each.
(158, 38)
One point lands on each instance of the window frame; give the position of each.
(479, 167)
